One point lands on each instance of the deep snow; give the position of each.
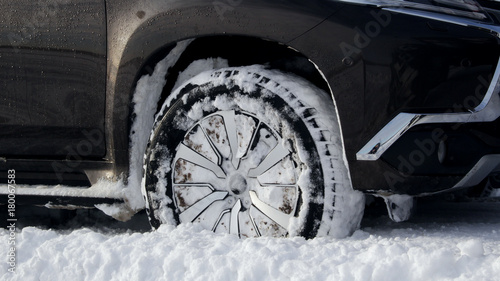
(444, 241)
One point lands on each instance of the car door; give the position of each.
(52, 78)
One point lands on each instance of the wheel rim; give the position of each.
(232, 173)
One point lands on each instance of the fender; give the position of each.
(154, 28)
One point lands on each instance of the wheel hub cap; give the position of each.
(238, 184)
(232, 173)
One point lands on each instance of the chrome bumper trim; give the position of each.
(485, 166)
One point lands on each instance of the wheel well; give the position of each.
(239, 51)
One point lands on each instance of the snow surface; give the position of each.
(103, 188)
(445, 242)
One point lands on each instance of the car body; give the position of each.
(415, 84)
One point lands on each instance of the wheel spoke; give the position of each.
(211, 217)
(254, 225)
(219, 218)
(277, 154)
(232, 135)
(196, 209)
(234, 227)
(212, 145)
(253, 138)
(186, 153)
(280, 197)
(280, 218)
(276, 185)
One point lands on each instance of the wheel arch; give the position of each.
(240, 51)
(152, 31)
(276, 55)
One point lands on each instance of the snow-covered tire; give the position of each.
(252, 152)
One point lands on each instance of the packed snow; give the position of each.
(445, 241)
(145, 99)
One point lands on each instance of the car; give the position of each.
(249, 117)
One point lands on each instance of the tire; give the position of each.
(252, 152)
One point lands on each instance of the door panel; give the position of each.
(52, 78)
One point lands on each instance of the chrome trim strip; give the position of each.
(485, 166)
(488, 110)
(454, 8)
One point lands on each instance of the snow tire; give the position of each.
(253, 152)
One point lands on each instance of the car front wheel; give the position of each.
(252, 152)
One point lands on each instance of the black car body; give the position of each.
(415, 84)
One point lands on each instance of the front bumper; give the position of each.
(395, 142)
